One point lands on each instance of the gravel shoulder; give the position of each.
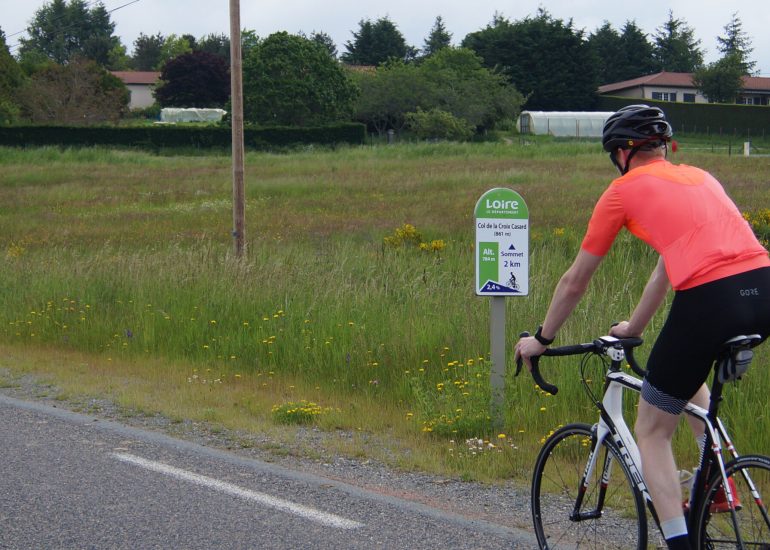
(504, 504)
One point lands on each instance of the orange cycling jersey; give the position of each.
(685, 215)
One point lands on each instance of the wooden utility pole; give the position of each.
(236, 99)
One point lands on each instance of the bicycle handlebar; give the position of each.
(599, 346)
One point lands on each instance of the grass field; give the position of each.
(118, 280)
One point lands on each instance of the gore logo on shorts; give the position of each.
(749, 292)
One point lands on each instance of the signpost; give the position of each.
(502, 268)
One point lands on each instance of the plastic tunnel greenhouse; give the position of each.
(563, 123)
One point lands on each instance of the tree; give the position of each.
(45, 38)
(377, 42)
(195, 79)
(675, 47)
(326, 41)
(389, 93)
(62, 32)
(463, 87)
(736, 44)
(119, 60)
(621, 56)
(81, 92)
(217, 44)
(721, 81)
(637, 51)
(452, 81)
(606, 45)
(545, 58)
(101, 45)
(147, 52)
(11, 79)
(249, 41)
(291, 80)
(173, 46)
(438, 38)
(192, 42)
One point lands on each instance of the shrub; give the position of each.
(713, 118)
(151, 112)
(171, 136)
(438, 124)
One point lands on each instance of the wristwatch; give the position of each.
(542, 339)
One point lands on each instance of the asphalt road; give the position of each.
(69, 480)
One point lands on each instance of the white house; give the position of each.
(665, 86)
(140, 84)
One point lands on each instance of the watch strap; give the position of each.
(542, 339)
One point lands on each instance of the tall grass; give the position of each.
(126, 256)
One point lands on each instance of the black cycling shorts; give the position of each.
(701, 319)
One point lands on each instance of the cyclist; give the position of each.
(709, 255)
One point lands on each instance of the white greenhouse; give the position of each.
(191, 114)
(563, 123)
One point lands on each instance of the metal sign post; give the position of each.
(502, 269)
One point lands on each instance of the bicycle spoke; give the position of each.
(717, 529)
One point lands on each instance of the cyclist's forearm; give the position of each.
(652, 297)
(565, 299)
(569, 291)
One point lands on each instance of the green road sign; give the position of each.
(502, 244)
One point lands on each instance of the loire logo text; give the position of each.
(502, 205)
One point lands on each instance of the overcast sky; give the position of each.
(414, 18)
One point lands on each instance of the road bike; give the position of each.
(588, 490)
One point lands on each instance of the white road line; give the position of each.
(306, 512)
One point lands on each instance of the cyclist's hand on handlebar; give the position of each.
(623, 330)
(527, 347)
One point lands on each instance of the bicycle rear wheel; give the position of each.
(608, 516)
(716, 529)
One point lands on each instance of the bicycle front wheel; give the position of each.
(751, 526)
(608, 513)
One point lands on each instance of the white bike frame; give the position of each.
(612, 403)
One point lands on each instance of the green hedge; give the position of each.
(712, 118)
(161, 136)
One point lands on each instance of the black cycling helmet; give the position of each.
(634, 127)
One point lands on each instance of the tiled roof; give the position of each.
(679, 80)
(756, 83)
(683, 80)
(137, 77)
